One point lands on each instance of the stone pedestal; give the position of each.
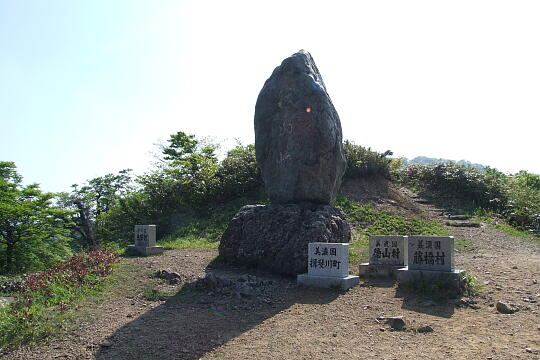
(275, 237)
(343, 283)
(455, 278)
(328, 267)
(375, 270)
(147, 250)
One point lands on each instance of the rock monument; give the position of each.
(298, 142)
(298, 138)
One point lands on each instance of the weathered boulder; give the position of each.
(298, 136)
(275, 237)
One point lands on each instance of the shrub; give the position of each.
(29, 318)
(449, 180)
(239, 173)
(363, 161)
(515, 198)
(523, 207)
(11, 284)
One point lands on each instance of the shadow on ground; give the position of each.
(432, 304)
(197, 320)
(435, 304)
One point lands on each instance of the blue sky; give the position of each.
(87, 87)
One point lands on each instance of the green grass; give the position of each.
(189, 242)
(509, 229)
(358, 249)
(367, 220)
(29, 321)
(153, 294)
(371, 221)
(513, 231)
(461, 245)
(204, 232)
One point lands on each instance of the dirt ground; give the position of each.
(282, 321)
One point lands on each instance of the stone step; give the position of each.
(463, 224)
(459, 217)
(438, 211)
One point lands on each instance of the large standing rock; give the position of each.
(276, 236)
(298, 135)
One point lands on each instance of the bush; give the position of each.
(363, 161)
(11, 284)
(186, 188)
(515, 198)
(239, 173)
(29, 318)
(523, 207)
(449, 180)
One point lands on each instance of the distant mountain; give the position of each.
(424, 160)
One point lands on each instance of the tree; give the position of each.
(239, 173)
(189, 176)
(180, 145)
(33, 233)
(92, 202)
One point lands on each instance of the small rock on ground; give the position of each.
(396, 322)
(425, 328)
(505, 308)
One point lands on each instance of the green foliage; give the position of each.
(358, 249)
(33, 233)
(363, 161)
(180, 145)
(49, 293)
(205, 231)
(239, 173)
(90, 205)
(11, 284)
(515, 198)
(423, 160)
(523, 207)
(189, 182)
(463, 245)
(449, 180)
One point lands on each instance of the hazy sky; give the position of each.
(87, 87)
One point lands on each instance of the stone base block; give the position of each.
(455, 279)
(388, 271)
(327, 281)
(275, 237)
(150, 250)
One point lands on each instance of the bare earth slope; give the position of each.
(280, 321)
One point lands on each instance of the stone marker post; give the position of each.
(434, 253)
(387, 253)
(431, 258)
(145, 240)
(145, 235)
(328, 266)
